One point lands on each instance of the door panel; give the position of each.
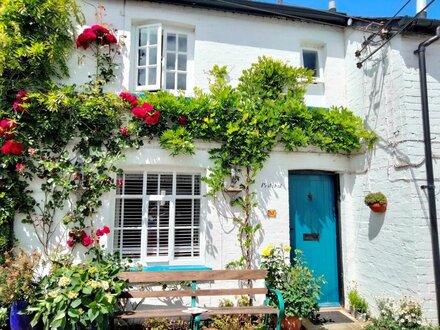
(313, 228)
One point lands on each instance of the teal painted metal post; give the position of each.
(195, 319)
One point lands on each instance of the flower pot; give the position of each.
(19, 321)
(291, 323)
(378, 208)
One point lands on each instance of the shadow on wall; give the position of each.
(375, 224)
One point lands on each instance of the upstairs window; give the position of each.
(310, 60)
(158, 217)
(161, 58)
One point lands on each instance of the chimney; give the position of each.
(332, 6)
(420, 5)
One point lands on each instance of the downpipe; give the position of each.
(421, 52)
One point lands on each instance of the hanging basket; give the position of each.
(378, 208)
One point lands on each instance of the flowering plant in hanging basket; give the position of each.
(377, 202)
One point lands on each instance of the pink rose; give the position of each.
(124, 131)
(20, 168)
(110, 39)
(99, 233)
(120, 182)
(70, 243)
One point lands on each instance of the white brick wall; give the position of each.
(386, 254)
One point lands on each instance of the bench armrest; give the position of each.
(280, 299)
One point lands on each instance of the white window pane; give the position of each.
(181, 81)
(171, 42)
(132, 213)
(171, 61)
(182, 242)
(184, 209)
(153, 36)
(170, 83)
(164, 214)
(133, 183)
(142, 56)
(143, 37)
(183, 41)
(163, 242)
(166, 184)
(310, 60)
(129, 241)
(153, 214)
(181, 63)
(141, 77)
(152, 184)
(152, 243)
(152, 76)
(196, 211)
(152, 56)
(184, 184)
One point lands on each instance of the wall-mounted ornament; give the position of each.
(272, 213)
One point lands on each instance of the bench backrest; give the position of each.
(194, 277)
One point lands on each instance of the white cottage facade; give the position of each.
(161, 216)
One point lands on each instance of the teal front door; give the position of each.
(313, 228)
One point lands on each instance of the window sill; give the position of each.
(318, 81)
(167, 268)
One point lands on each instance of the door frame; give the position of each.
(337, 202)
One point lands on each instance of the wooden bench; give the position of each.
(195, 277)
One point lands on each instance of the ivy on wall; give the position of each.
(68, 138)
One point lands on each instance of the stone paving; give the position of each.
(356, 325)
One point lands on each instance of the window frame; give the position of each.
(320, 69)
(165, 28)
(169, 259)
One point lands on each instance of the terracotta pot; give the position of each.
(378, 208)
(291, 323)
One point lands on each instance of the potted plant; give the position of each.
(17, 286)
(79, 295)
(377, 202)
(298, 285)
(358, 305)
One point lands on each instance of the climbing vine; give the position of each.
(68, 138)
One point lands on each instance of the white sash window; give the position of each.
(158, 216)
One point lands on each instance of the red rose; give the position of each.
(153, 119)
(21, 94)
(147, 106)
(20, 168)
(182, 120)
(134, 104)
(17, 106)
(87, 241)
(106, 230)
(99, 233)
(99, 29)
(127, 97)
(139, 113)
(7, 124)
(12, 147)
(70, 243)
(85, 38)
(110, 39)
(83, 235)
(124, 131)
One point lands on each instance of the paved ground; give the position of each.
(336, 326)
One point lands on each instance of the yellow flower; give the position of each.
(287, 248)
(54, 293)
(72, 294)
(93, 270)
(266, 252)
(64, 281)
(105, 285)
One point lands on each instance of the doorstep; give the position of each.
(355, 325)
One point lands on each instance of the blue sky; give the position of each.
(368, 7)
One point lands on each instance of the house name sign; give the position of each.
(273, 185)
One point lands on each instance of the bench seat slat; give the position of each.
(175, 312)
(204, 275)
(195, 293)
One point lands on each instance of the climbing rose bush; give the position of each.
(96, 33)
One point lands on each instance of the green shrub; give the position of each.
(357, 303)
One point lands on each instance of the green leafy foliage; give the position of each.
(78, 294)
(373, 198)
(357, 303)
(299, 286)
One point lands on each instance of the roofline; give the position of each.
(265, 9)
